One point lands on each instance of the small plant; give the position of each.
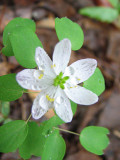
(103, 14)
(59, 87)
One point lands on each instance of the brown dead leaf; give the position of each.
(47, 23)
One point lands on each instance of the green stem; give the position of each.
(64, 130)
(28, 118)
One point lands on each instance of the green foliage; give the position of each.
(12, 135)
(114, 3)
(65, 28)
(11, 27)
(9, 88)
(54, 148)
(24, 42)
(73, 106)
(7, 50)
(34, 142)
(52, 122)
(39, 144)
(94, 139)
(55, 120)
(4, 108)
(95, 83)
(103, 14)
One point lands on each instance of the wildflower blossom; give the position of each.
(58, 83)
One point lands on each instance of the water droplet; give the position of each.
(59, 100)
(42, 67)
(33, 87)
(70, 71)
(36, 112)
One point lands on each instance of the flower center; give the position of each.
(60, 80)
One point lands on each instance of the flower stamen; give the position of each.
(40, 77)
(49, 99)
(60, 80)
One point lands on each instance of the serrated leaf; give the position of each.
(54, 148)
(103, 14)
(24, 42)
(95, 83)
(10, 27)
(12, 135)
(34, 142)
(9, 88)
(94, 139)
(65, 28)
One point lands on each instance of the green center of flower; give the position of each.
(60, 80)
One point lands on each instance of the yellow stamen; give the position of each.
(78, 79)
(41, 75)
(73, 87)
(49, 99)
(52, 66)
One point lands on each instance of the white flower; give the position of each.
(57, 82)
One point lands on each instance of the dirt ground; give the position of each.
(102, 42)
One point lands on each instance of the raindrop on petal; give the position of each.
(59, 100)
(70, 71)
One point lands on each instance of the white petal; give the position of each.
(29, 79)
(80, 70)
(80, 95)
(61, 55)
(44, 62)
(38, 110)
(42, 104)
(63, 106)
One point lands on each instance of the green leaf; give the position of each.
(95, 83)
(12, 135)
(1, 118)
(11, 27)
(24, 42)
(114, 3)
(55, 120)
(54, 148)
(5, 108)
(73, 106)
(34, 142)
(7, 120)
(94, 139)
(65, 28)
(103, 14)
(7, 50)
(9, 88)
(52, 122)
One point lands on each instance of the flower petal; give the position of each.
(80, 95)
(61, 55)
(33, 79)
(44, 62)
(38, 110)
(80, 70)
(63, 106)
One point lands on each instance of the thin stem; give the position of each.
(64, 130)
(28, 118)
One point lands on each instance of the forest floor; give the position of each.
(102, 42)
